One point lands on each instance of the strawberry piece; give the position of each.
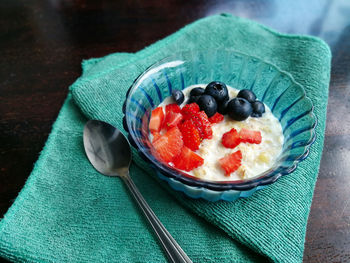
(249, 136)
(172, 116)
(187, 160)
(156, 121)
(205, 125)
(172, 119)
(231, 162)
(230, 139)
(172, 108)
(202, 123)
(198, 124)
(190, 135)
(216, 118)
(189, 110)
(169, 145)
(156, 136)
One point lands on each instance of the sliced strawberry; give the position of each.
(172, 108)
(216, 118)
(187, 160)
(231, 162)
(198, 124)
(230, 139)
(249, 136)
(169, 145)
(206, 125)
(202, 123)
(172, 119)
(156, 121)
(172, 116)
(190, 135)
(156, 136)
(188, 110)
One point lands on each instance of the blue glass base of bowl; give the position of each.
(207, 194)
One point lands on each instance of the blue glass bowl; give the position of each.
(277, 89)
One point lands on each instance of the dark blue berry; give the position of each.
(217, 90)
(208, 104)
(256, 115)
(247, 94)
(258, 109)
(222, 107)
(239, 109)
(178, 96)
(193, 99)
(196, 91)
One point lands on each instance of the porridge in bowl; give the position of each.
(216, 133)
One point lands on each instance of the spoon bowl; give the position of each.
(107, 148)
(109, 152)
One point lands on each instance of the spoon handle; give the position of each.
(171, 247)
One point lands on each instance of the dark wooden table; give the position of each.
(43, 42)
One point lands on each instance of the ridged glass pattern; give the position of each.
(277, 89)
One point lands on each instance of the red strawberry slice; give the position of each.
(172, 116)
(249, 136)
(172, 108)
(189, 110)
(172, 119)
(156, 136)
(187, 160)
(230, 139)
(156, 121)
(216, 118)
(231, 162)
(190, 135)
(198, 124)
(202, 123)
(206, 125)
(169, 145)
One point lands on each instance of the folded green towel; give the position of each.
(67, 212)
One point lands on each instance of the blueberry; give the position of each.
(256, 115)
(247, 94)
(193, 99)
(258, 109)
(208, 104)
(217, 90)
(239, 109)
(196, 91)
(222, 107)
(178, 96)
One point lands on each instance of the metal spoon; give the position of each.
(109, 152)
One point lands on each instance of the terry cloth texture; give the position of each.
(68, 212)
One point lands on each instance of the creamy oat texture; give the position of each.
(256, 158)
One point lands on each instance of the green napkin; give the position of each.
(67, 212)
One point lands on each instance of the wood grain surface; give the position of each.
(42, 44)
